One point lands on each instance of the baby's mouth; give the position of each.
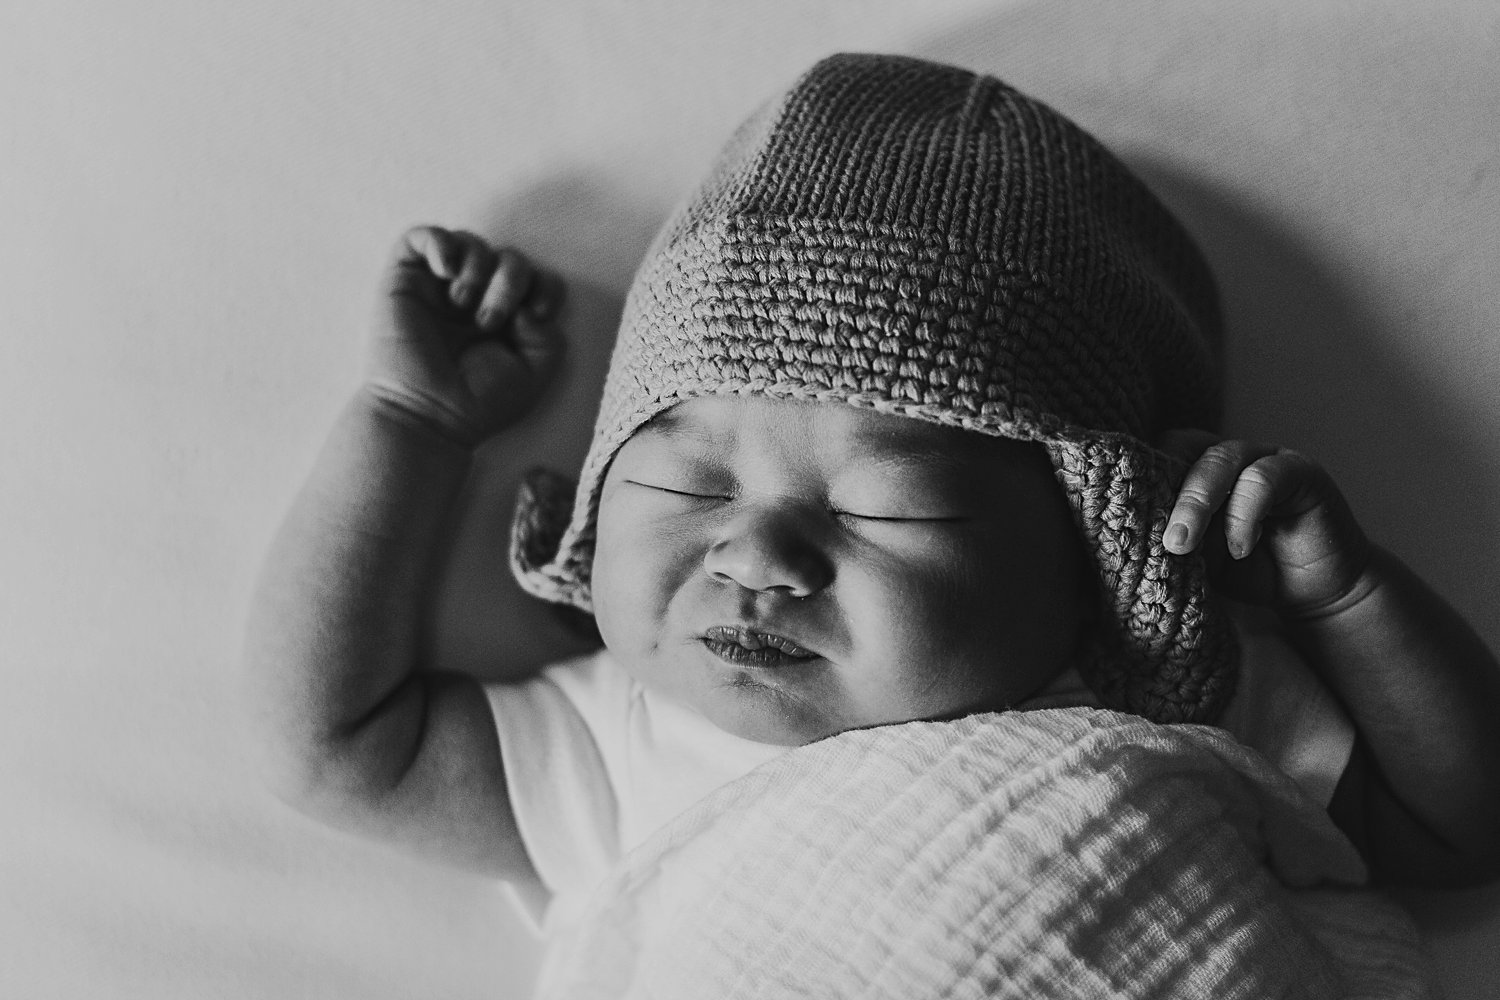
(750, 647)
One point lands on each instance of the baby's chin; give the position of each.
(758, 712)
(752, 709)
(745, 707)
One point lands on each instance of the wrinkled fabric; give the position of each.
(1057, 853)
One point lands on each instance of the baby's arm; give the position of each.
(354, 732)
(1422, 794)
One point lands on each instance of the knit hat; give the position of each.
(914, 238)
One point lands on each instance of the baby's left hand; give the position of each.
(1293, 544)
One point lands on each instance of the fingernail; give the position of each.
(1176, 537)
(1240, 549)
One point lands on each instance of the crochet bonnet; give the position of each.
(918, 239)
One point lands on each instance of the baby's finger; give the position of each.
(547, 293)
(1264, 486)
(1247, 506)
(1206, 486)
(508, 287)
(474, 273)
(431, 247)
(539, 345)
(418, 264)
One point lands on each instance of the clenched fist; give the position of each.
(464, 339)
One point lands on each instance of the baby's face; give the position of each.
(792, 570)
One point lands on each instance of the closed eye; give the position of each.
(887, 519)
(675, 492)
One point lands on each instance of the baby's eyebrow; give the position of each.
(927, 462)
(670, 425)
(914, 446)
(665, 422)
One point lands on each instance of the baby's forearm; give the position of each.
(332, 652)
(1424, 692)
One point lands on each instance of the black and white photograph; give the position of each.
(672, 500)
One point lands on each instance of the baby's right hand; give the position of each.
(464, 340)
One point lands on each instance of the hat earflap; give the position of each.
(1165, 650)
(544, 509)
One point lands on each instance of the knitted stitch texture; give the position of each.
(914, 238)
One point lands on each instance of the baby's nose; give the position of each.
(769, 551)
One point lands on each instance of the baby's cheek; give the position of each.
(915, 606)
(615, 553)
(984, 621)
(943, 576)
(641, 560)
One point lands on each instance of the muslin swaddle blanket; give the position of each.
(1057, 853)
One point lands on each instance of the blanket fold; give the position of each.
(1057, 853)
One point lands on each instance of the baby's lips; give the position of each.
(757, 639)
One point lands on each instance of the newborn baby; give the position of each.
(900, 428)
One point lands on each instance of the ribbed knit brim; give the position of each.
(923, 241)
